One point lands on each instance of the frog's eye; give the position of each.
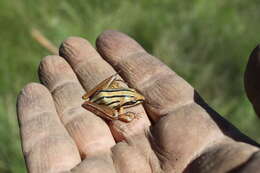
(139, 101)
(133, 101)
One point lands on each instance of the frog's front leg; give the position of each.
(125, 116)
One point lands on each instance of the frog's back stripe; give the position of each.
(113, 102)
(116, 90)
(113, 96)
(111, 93)
(132, 102)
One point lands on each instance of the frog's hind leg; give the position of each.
(116, 83)
(102, 85)
(101, 110)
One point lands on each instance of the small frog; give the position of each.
(108, 100)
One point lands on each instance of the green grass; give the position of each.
(206, 42)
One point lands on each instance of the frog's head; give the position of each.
(138, 98)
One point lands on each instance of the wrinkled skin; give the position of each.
(175, 130)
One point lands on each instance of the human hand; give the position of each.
(186, 135)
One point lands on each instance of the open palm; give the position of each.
(175, 130)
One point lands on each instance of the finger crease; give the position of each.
(46, 139)
(37, 115)
(135, 54)
(63, 84)
(87, 61)
(174, 108)
(71, 113)
(153, 78)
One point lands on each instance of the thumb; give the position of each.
(251, 79)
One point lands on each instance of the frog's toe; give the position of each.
(127, 117)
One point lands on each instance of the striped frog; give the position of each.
(108, 100)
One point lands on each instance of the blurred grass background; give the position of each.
(206, 42)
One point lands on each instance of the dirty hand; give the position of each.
(177, 132)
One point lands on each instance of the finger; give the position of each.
(252, 164)
(98, 164)
(136, 155)
(164, 90)
(47, 146)
(132, 156)
(251, 79)
(227, 156)
(90, 133)
(91, 69)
